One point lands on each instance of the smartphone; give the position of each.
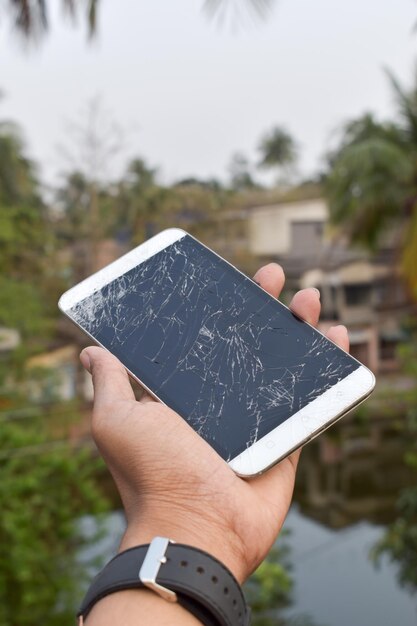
(255, 381)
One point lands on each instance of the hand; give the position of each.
(172, 483)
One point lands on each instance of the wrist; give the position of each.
(177, 574)
(220, 542)
(139, 606)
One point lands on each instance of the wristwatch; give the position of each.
(178, 573)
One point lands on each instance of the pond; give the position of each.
(347, 486)
(336, 583)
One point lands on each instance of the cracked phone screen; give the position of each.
(212, 345)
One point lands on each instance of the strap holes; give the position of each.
(214, 579)
(226, 591)
(200, 570)
(184, 563)
(234, 602)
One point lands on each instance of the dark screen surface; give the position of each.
(212, 345)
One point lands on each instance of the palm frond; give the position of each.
(368, 186)
(69, 7)
(277, 148)
(261, 7)
(30, 17)
(365, 128)
(235, 11)
(407, 106)
(92, 17)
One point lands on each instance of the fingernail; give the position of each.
(260, 270)
(316, 290)
(85, 360)
(342, 326)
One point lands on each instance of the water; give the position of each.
(336, 584)
(347, 485)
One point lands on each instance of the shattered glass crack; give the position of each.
(211, 344)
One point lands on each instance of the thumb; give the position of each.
(110, 379)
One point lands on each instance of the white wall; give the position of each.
(269, 227)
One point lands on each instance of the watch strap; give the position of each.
(201, 583)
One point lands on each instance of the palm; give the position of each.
(172, 479)
(372, 183)
(188, 474)
(32, 18)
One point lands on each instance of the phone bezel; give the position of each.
(298, 429)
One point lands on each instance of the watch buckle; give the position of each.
(148, 573)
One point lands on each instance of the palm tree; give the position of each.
(23, 215)
(372, 184)
(232, 10)
(31, 17)
(278, 149)
(18, 182)
(240, 173)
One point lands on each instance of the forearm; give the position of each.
(139, 606)
(184, 527)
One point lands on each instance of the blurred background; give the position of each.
(273, 131)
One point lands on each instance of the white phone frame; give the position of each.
(298, 429)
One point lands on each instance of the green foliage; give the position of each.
(17, 172)
(22, 308)
(372, 183)
(31, 19)
(368, 186)
(277, 149)
(269, 589)
(44, 489)
(46, 484)
(240, 173)
(74, 200)
(27, 246)
(399, 542)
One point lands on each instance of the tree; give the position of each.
(372, 191)
(73, 200)
(26, 243)
(240, 174)
(278, 150)
(139, 202)
(45, 485)
(372, 183)
(237, 13)
(18, 180)
(95, 140)
(399, 542)
(45, 488)
(31, 17)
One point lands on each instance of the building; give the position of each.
(360, 291)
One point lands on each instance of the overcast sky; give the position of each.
(189, 93)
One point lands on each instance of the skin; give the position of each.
(173, 484)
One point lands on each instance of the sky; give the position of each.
(189, 92)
